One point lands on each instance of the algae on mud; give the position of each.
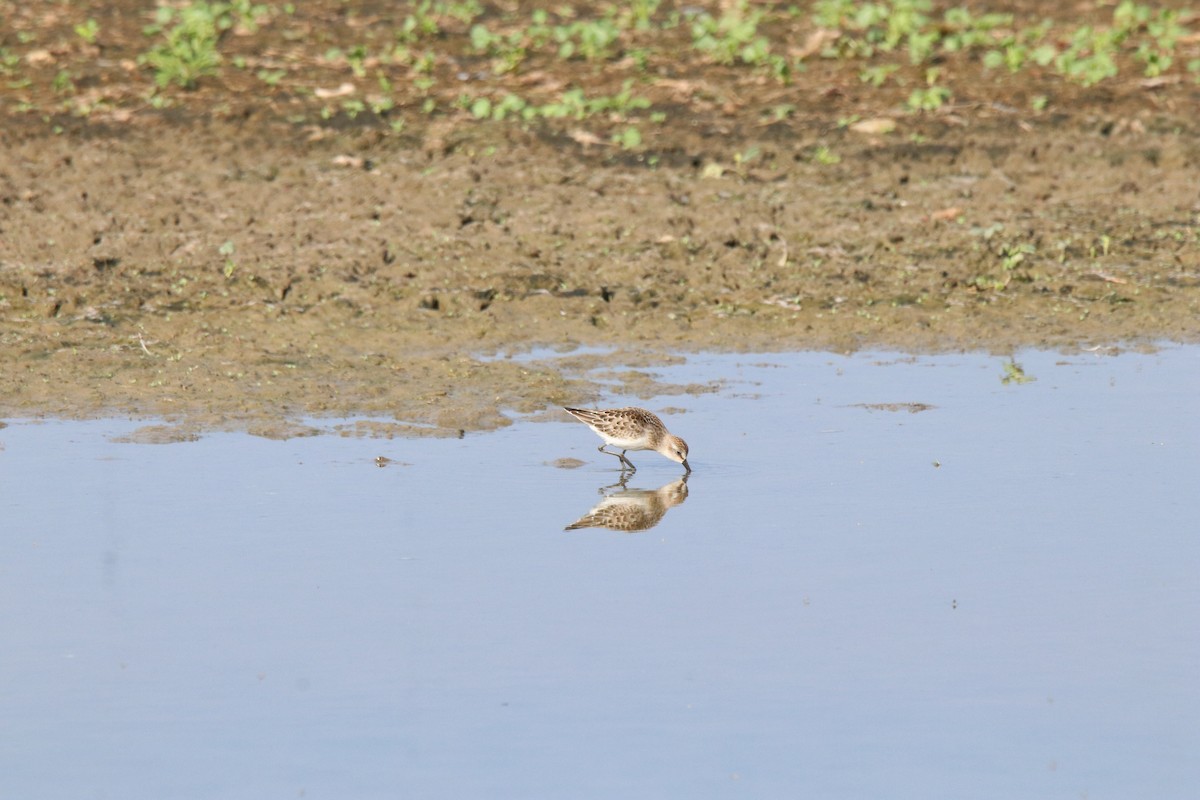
(214, 262)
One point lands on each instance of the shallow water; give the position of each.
(994, 597)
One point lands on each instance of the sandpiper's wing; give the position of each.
(621, 423)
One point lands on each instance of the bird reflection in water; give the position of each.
(632, 510)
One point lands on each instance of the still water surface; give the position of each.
(993, 597)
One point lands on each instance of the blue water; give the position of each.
(992, 598)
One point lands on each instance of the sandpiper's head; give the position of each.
(675, 449)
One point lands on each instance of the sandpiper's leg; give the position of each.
(625, 462)
(621, 483)
(610, 453)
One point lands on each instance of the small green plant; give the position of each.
(482, 39)
(484, 108)
(930, 97)
(570, 103)
(573, 103)
(592, 40)
(623, 102)
(246, 15)
(746, 156)
(1091, 56)
(877, 75)
(1012, 256)
(189, 51)
(922, 44)
(418, 24)
(88, 30)
(640, 57)
(1164, 31)
(8, 61)
(480, 108)
(988, 233)
(639, 14)
(629, 138)
(1105, 245)
(826, 157)
(781, 69)
(1014, 50)
(781, 112)
(869, 27)
(829, 14)
(356, 58)
(424, 63)
(63, 83)
(509, 105)
(465, 11)
(989, 283)
(732, 36)
(907, 21)
(508, 52)
(271, 77)
(226, 250)
(962, 31)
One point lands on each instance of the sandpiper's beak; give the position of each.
(685, 466)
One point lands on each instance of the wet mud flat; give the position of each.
(205, 276)
(222, 263)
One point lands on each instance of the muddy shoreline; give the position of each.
(199, 276)
(220, 264)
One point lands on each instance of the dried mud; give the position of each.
(219, 269)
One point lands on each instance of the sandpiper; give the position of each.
(632, 429)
